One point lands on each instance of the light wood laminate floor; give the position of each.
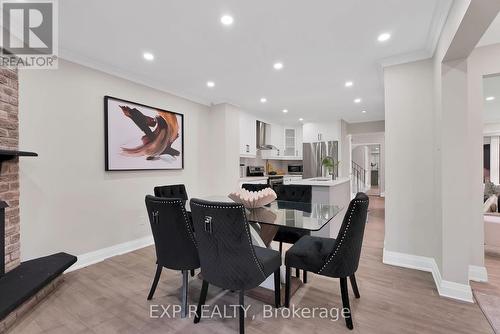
(110, 297)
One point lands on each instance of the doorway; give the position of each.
(488, 293)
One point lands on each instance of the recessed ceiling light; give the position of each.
(384, 37)
(278, 66)
(490, 98)
(364, 111)
(227, 20)
(349, 84)
(263, 100)
(285, 111)
(148, 56)
(301, 119)
(210, 84)
(358, 100)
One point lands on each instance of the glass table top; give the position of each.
(303, 216)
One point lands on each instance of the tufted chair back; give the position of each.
(172, 191)
(174, 240)
(344, 259)
(294, 193)
(254, 187)
(225, 246)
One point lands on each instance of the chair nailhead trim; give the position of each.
(246, 230)
(259, 265)
(343, 236)
(186, 220)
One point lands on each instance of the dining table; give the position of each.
(265, 221)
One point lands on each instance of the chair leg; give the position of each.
(287, 287)
(242, 311)
(192, 272)
(185, 285)
(281, 248)
(201, 301)
(304, 276)
(345, 301)
(155, 282)
(354, 286)
(277, 288)
(297, 273)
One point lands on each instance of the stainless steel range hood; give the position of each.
(263, 130)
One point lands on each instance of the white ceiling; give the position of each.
(322, 44)
(492, 35)
(491, 87)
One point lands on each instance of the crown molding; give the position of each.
(439, 18)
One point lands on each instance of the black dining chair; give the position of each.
(228, 258)
(338, 258)
(174, 191)
(175, 244)
(298, 194)
(254, 187)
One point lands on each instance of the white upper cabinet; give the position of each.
(287, 140)
(248, 135)
(314, 132)
(293, 142)
(290, 142)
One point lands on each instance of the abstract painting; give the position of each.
(140, 137)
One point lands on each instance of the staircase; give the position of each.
(358, 179)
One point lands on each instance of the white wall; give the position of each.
(68, 202)
(222, 142)
(366, 127)
(409, 180)
(491, 129)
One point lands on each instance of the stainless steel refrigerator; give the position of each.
(314, 153)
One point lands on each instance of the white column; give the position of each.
(495, 160)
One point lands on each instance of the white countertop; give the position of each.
(253, 178)
(257, 178)
(322, 182)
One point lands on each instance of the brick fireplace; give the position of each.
(9, 174)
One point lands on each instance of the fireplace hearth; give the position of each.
(26, 282)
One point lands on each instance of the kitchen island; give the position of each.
(328, 191)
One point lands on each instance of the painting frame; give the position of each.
(107, 124)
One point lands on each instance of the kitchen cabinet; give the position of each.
(314, 132)
(287, 140)
(293, 141)
(248, 135)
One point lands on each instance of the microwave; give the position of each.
(295, 169)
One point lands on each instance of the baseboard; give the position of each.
(99, 255)
(458, 291)
(478, 274)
